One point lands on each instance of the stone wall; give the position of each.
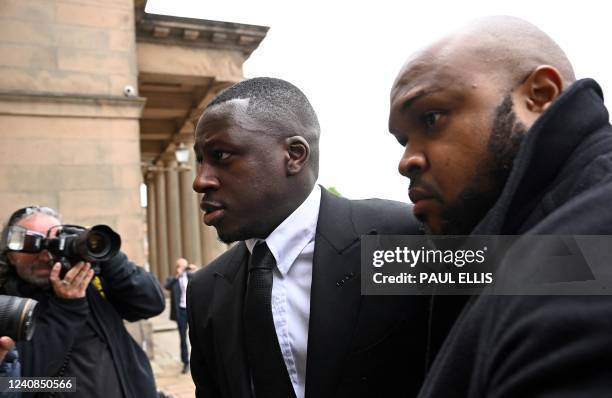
(69, 137)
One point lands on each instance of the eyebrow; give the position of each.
(201, 140)
(418, 95)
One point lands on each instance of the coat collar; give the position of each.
(238, 257)
(335, 223)
(559, 130)
(335, 295)
(228, 304)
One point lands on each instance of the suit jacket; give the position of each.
(358, 346)
(172, 284)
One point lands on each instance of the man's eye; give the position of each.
(430, 118)
(221, 155)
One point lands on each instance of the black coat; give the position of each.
(131, 294)
(542, 346)
(358, 346)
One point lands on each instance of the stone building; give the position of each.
(95, 98)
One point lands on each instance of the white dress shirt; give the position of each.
(182, 279)
(292, 245)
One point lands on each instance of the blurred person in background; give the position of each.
(177, 285)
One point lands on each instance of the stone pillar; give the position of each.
(173, 210)
(161, 231)
(151, 224)
(189, 217)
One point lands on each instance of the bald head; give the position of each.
(508, 49)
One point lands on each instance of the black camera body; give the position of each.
(73, 244)
(69, 245)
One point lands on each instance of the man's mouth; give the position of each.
(42, 270)
(213, 212)
(417, 194)
(423, 200)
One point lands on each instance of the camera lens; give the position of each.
(100, 243)
(17, 317)
(97, 243)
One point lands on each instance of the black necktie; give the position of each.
(268, 370)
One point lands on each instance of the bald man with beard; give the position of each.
(501, 139)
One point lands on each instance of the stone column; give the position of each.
(175, 250)
(189, 217)
(151, 224)
(161, 231)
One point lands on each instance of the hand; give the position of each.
(75, 281)
(192, 268)
(6, 344)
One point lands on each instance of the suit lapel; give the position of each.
(335, 295)
(228, 314)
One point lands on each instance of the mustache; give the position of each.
(46, 265)
(429, 188)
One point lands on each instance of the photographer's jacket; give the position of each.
(85, 338)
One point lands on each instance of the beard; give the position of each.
(462, 215)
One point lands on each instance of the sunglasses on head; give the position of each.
(26, 211)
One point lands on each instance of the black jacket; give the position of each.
(542, 346)
(358, 346)
(131, 294)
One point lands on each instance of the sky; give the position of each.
(344, 55)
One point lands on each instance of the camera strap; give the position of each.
(97, 283)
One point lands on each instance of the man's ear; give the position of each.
(298, 153)
(540, 89)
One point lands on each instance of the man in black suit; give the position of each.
(177, 285)
(280, 314)
(500, 139)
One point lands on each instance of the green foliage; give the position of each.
(334, 191)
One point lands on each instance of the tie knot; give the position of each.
(261, 257)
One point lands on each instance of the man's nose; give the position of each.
(45, 256)
(412, 163)
(205, 179)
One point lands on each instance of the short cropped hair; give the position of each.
(277, 103)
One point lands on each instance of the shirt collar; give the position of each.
(290, 238)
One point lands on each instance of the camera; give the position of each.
(17, 317)
(71, 243)
(129, 91)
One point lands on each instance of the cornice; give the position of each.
(164, 29)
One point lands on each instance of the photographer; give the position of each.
(79, 331)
